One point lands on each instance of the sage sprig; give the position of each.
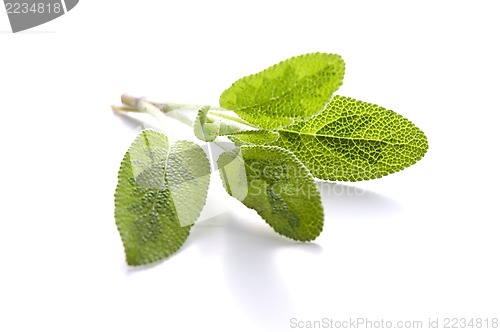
(288, 129)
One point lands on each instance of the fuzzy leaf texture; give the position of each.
(203, 130)
(352, 140)
(291, 90)
(160, 193)
(273, 182)
(254, 137)
(208, 127)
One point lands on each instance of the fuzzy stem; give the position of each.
(124, 109)
(168, 107)
(180, 112)
(141, 105)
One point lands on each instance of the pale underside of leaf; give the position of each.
(255, 137)
(273, 182)
(353, 140)
(208, 124)
(291, 90)
(160, 194)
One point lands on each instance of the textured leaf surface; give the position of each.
(353, 140)
(296, 88)
(273, 182)
(160, 194)
(255, 137)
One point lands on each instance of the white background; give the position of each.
(419, 244)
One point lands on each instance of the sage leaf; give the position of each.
(293, 89)
(353, 140)
(160, 193)
(273, 182)
(204, 130)
(209, 125)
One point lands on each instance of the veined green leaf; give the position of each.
(160, 194)
(291, 90)
(273, 182)
(353, 140)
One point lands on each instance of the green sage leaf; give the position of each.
(353, 140)
(160, 193)
(273, 182)
(291, 90)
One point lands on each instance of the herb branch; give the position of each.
(288, 129)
